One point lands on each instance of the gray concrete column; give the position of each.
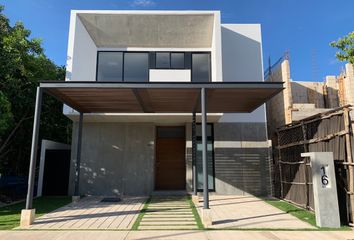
(78, 156)
(34, 146)
(194, 154)
(204, 150)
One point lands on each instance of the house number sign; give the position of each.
(324, 177)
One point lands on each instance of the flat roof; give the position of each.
(166, 97)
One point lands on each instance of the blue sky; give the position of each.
(302, 27)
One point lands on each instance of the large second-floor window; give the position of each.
(123, 66)
(136, 67)
(201, 67)
(110, 66)
(120, 66)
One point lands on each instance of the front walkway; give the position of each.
(233, 211)
(172, 212)
(91, 213)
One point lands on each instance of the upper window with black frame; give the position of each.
(163, 60)
(170, 60)
(177, 60)
(136, 67)
(110, 66)
(200, 67)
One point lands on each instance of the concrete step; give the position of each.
(167, 227)
(168, 219)
(169, 216)
(168, 211)
(169, 194)
(167, 223)
(168, 206)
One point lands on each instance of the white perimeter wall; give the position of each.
(242, 61)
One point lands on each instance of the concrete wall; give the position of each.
(116, 157)
(349, 84)
(241, 159)
(279, 107)
(119, 157)
(308, 92)
(302, 99)
(332, 92)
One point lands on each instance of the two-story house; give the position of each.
(162, 100)
(138, 153)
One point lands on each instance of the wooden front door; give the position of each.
(170, 167)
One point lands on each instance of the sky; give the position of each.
(304, 28)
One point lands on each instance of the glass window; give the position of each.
(210, 163)
(136, 67)
(162, 60)
(201, 67)
(177, 60)
(210, 158)
(109, 66)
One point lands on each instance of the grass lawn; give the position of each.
(141, 214)
(195, 214)
(300, 213)
(10, 215)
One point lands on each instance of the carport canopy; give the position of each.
(150, 97)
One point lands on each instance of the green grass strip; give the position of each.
(300, 213)
(141, 214)
(10, 215)
(197, 218)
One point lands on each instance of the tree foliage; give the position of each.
(22, 65)
(345, 46)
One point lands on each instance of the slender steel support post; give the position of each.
(78, 156)
(34, 146)
(194, 154)
(204, 150)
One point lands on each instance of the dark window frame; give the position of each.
(123, 61)
(148, 64)
(210, 69)
(97, 62)
(209, 138)
(187, 54)
(169, 61)
(184, 60)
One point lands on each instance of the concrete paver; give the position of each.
(91, 213)
(176, 234)
(244, 212)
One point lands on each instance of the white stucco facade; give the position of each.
(239, 140)
(235, 50)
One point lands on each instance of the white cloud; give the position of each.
(143, 3)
